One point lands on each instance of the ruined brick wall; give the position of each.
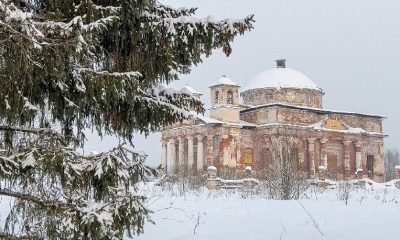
(371, 145)
(369, 124)
(304, 117)
(226, 146)
(261, 116)
(227, 143)
(246, 143)
(230, 145)
(263, 147)
(250, 117)
(374, 147)
(297, 117)
(336, 148)
(229, 148)
(225, 113)
(302, 97)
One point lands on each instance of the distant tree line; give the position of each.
(392, 158)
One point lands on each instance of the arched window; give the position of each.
(229, 97)
(217, 97)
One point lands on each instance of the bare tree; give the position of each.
(343, 191)
(392, 158)
(287, 180)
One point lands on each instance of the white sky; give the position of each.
(351, 49)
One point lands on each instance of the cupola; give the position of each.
(282, 85)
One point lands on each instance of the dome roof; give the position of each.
(281, 77)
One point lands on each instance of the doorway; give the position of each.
(332, 163)
(370, 165)
(332, 168)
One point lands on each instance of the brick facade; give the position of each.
(239, 135)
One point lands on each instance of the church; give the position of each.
(238, 134)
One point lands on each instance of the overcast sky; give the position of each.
(350, 49)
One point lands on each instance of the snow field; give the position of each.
(371, 213)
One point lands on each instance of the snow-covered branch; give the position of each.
(128, 75)
(27, 130)
(163, 9)
(33, 199)
(7, 165)
(6, 236)
(231, 26)
(96, 65)
(176, 101)
(182, 18)
(80, 204)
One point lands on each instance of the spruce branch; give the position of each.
(6, 236)
(96, 65)
(36, 200)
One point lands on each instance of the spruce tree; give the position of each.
(71, 65)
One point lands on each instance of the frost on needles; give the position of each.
(67, 66)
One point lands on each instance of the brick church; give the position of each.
(280, 100)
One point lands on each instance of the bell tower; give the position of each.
(225, 100)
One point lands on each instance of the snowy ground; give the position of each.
(371, 213)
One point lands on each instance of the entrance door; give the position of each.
(370, 165)
(332, 168)
(248, 156)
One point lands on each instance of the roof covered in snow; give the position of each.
(224, 80)
(281, 78)
(349, 130)
(206, 120)
(209, 120)
(318, 126)
(317, 110)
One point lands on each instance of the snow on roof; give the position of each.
(350, 130)
(188, 89)
(320, 127)
(209, 120)
(281, 78)
(319, 110)
(205, 119)
(225, 81)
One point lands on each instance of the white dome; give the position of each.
(281, 78)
